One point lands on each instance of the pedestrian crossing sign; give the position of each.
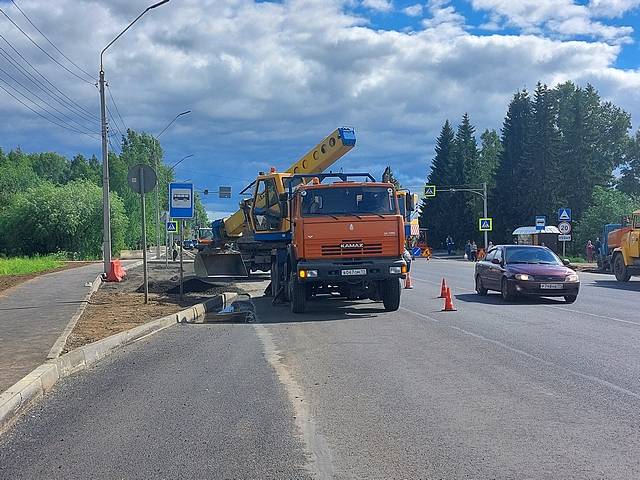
(485, 224)
(172, 226)
(429, 190)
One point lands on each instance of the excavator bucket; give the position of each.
(219, 264)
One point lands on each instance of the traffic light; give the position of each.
(206, 191)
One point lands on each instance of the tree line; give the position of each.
(52, 204)
(560, 147)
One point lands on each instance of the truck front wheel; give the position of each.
(297, 294)
(390, 293)
(620, 269)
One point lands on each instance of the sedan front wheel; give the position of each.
(480, 287)
(505, 291)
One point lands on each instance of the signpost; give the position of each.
(181, 207)
(485, 224)
(142, 179)
(541, 222)
(429, 191)
(564, 225)
(224, 192)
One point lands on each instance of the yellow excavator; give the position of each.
(236, 248)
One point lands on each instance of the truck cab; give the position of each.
(347, 237)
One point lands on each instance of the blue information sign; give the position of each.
(181, 200)
(541, 222)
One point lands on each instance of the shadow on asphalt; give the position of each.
(630, 286)
(496, 299)
(317, 310)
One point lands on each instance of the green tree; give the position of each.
(387, 176)
(606, 206)
(466, 206)
(630, 180)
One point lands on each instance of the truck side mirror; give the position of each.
(410, 204)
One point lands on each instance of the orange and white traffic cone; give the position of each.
(448, 302)
(443, 289)
(407, 281)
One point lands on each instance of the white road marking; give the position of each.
(321, 462)
(593, 315)
(590, 378)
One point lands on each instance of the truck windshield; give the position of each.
(355, 200)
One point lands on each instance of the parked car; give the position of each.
(188, 244)
(526, 270)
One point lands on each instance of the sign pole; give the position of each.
(144, 237)
(486, 234)
(564, 249)
(181, 269)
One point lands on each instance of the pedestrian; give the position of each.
(450, 245)
(467, 250)
(598, 246)
(589, 250)
(490, 245)
(407, 258)
(175, 251)
(474, 251)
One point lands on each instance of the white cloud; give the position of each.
(562, 17)
(612, 8)
(264, 83)
(414, 10)
(379, 5)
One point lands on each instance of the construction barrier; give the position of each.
(116, 272)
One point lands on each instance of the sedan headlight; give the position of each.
(523, 276)
(572, 278)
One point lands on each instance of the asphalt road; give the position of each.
(530, 389)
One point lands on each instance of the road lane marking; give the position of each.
(523, 353)
(319, 453)
(592, 314)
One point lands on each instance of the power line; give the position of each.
(41, 115)
(43, 101)
(79, 107)
(43, 50)
(46, 90)
(50, 42)
(113, 100)
(114, 122)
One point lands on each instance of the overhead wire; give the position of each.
(51, 43)
(90, 82)
(115, 105)
(81, 110)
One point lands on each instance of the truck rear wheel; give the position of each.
(390, 293)
(620, 269)
(297, 294)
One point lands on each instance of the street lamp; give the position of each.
(157, 166)
(179, 162)
(106, 247)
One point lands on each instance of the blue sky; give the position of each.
(267, 80)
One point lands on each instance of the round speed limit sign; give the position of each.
(565, 228)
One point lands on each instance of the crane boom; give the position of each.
(316, 160)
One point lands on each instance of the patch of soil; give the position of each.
(10, 281)
(117, 307)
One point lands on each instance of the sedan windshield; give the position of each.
(531, 255)
(348, 201)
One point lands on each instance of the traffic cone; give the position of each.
(407, 281)
(448, 302)
(443, 289)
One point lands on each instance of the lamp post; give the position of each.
(157, 166)
(106, 246)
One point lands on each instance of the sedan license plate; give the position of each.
(355, 271)
(551, 286)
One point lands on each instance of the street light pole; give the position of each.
(106, 233)
(157, 167)
(484, 198)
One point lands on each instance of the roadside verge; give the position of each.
(32, 387)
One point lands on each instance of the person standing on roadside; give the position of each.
(589, 250)
(474, 251)
(450, 244)
(467, 250)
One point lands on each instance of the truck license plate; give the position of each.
(551, 286)
(355, 271)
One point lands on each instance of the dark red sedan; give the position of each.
(526, 270)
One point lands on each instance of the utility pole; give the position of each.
(106, 224)
(484, 198)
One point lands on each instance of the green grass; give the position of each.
(576, 259)
(26, 265)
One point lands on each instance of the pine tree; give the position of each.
(388, 176)
(466, 206)
(506, 201)
(435, 214)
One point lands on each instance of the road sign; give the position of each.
(564, 215)
(485, 224)
(541, 222)
(429, 190)
(565, 228)
(224, 192)
(142, 178)
(172, 226)
(564, 238)
(181, 200)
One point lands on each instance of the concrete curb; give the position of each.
(32, 387)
